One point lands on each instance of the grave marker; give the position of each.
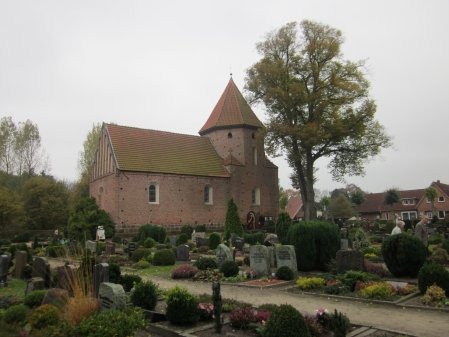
(132, 246)
(173, 240)
(4, 266)
(259, 259)
(35, 283)
(112, 296)
(237, 242)
(92, 245)
(110, 248)
(201, 235)
(271, 253)
(21, 261)
(101, 274)
(182, 253)
(286, 256)
(223, 254)
(65, 276)
(202, 242)
(56, 297)
(41, 268)
(344, 244)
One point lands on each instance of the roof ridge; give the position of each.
(154, 130)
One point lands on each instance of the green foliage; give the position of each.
(214, 241)
(316, 243)
(128, 280)
(360, 239)
(164, 257)
(283, 223)
(114, 273)
(391, 197)
(232, 223)
(15, 314)
(112, 323)
(87, 216)
(182, 306)
(285, 273)
(145, 295)
(341, 208)
(432, 273)
(403, 254)
(229, 268)
(218, 304)
(336, 289)
(44, 316)
(55, 251)
(440, 256)
(340, 324)
(35, 298)
(435, 239)
(380, 291)
(205, 263)
(389, 227)
(140, 253)
(150, 258)
(200, 228)
(370, 250)
(149, 243)
(351, 277)
(306, 283)
(142, 264)
(117, 240)
(187, 230)
(181, 239)
(286, 321)
(434, 294)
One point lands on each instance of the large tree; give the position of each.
(7, 145)
(317, 103)
(392, 197)
(357, 198)
(431, 193)
(341, 208)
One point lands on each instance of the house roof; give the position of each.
(375, 201)
(443, 187)
(231, 110)
(145, 150)
(294, 204)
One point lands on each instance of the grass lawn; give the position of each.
(16, 288)
(158, 271)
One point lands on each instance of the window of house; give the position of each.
(387, 216)
(255, 155)
(441, 214)
(428, 201)
(429, 215)
(208, 200)
(441, 199)
(256, 196)
(253, 136)
(153, 193)
(408, 201)
(408, 215)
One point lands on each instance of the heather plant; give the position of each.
(182, 306)
(44, 316)
(184, 271)
(241, 317)
(314, 327)
(208, 275)
(286, 321)
(377, 269)
(310, 283)
(145, 295)
(206, 311)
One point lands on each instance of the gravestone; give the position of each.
(65, 276)
(125, 242)
(182, 253)
(110, 248)
(271, 240)
(100, 275)
(4, 266)
(21, 261)
(446, 235)
(201, 235)
(112, 296)
(350, 260)
(344, 244)
(202, 242)
(35, 283)
(397, 284)
(259, 259)
(286, 256)
(159, 247)
(56, 297)
(271, 253)
(132, 246)
(92, 245)
(41, 268)
(237, 242)
(223, 254)
(173, 240)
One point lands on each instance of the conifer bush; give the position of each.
(283, 223)
(232, 222)
(229, 269)
(432, 273)
(182, 306)
(181, 239)
(205, 263)
(286, 321)
(114, 272)
(145, 295)
(140, 253)
(214, 241)
(403, 254)
(164, 257)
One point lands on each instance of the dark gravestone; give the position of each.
(4, 266)
(101, 274)
(183, 253)
(198, 235)
(110, 248)
(160, 247)
(132, 246)
(35, 283)
(73, 244)
(112, 296)
(202, 242)
(237, 242)
(41, 268)
(66, 276)
(173, 240)
(349, 260)
(21, 261)
(56, 297)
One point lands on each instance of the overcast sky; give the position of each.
(164, 64)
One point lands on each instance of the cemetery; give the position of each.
(73, 288)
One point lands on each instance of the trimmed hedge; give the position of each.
(431, 273)
(316, 243)
(283, 223)
(164, 257)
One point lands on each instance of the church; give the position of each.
(142, 176)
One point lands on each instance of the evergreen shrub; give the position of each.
(389, 227)
(44, 316)
(149, 243)
(182, 306)
(283, 223)
(403, 254)
(285, 273)
(232, 221)
(432, 273)
(128, 280)
(316, 243)
(229, 269)
(55, 251)
(187, 230)
(164, 257)
(351, 277)
(200, 228)
(205, 263)
(286, 321)
(259, 237)
(114, 273)
(182, 239)
(15, 314)
(140, 253)
(249, 239)
(145, 295)
(117, 240)
(214, 241)
(35, 298)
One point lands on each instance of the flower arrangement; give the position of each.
(323, 317)
(206, 311)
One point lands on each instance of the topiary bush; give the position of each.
(145, 295)
(285, 273)
(232, 221)
(149, 243)
(229, 269)
(15, 314)
(128, 280)
(432, 273)
(316, 243)
(403, 254)
(35, 298)
(140, 253)
(164, 257)
(214, 241)
(44, 316)
(205, 263)
(142, 264)
(360, 239)
(286, 321)
(187, 230)
(114, 273)
(283, 223)
(182, 306)
(184, 271)
(182, 239)
(389, 227)
(117, 240)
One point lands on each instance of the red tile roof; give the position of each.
(164, 152)
(443, 187)
(231, 110)
(293, 206)
(375, 201)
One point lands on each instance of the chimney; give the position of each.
(438, 181)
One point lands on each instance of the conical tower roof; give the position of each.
(232, 110)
